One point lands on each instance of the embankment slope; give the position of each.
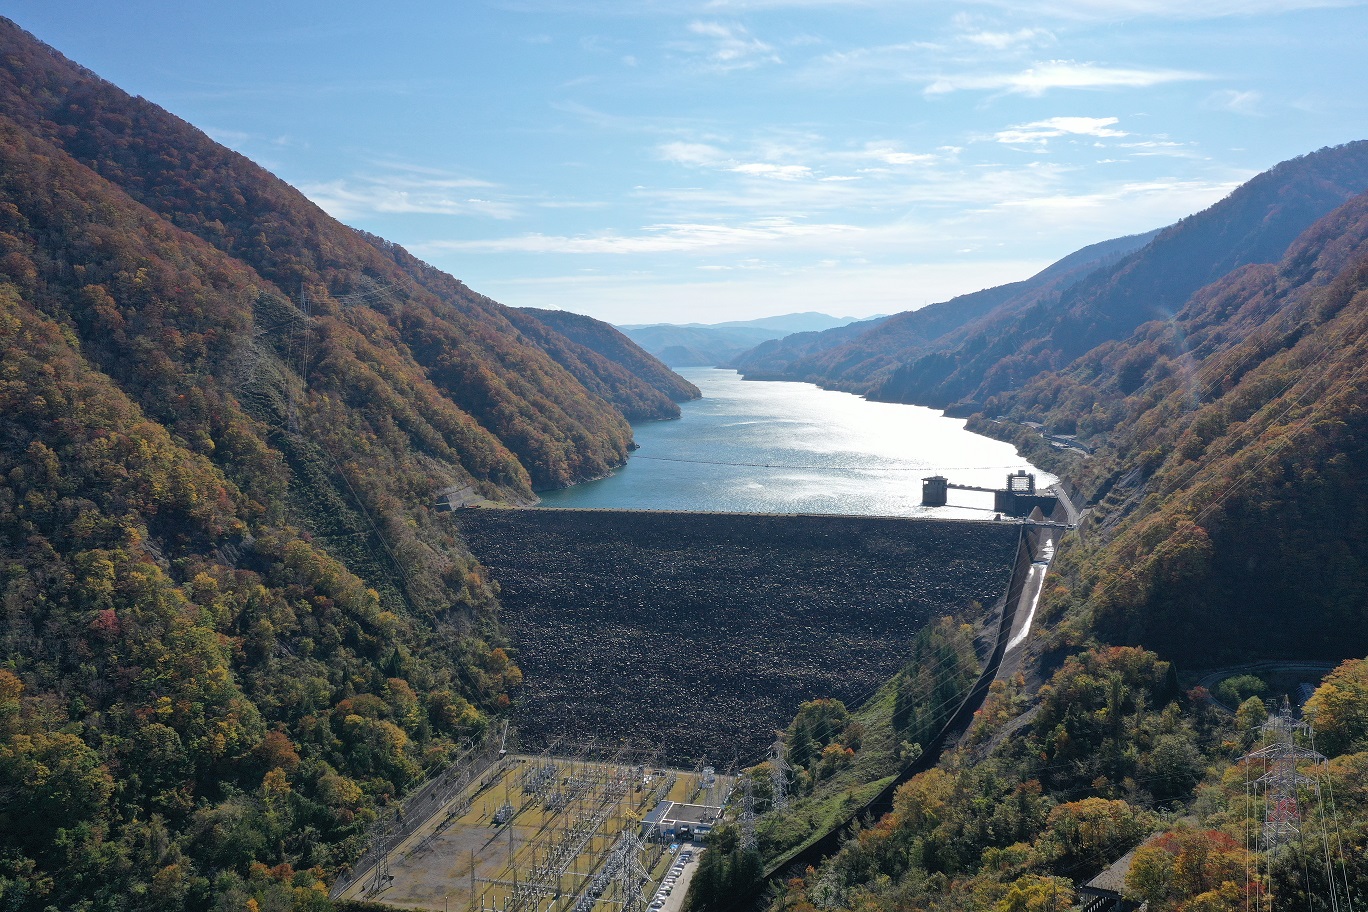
(704, 631)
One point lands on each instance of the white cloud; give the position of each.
(703, 155)
(1248, 103)
(908, 158)
(1002, 41)
(663, 238)
(1166, 198)
(897, 61)
(778, 172)
(407, 191)
(696, 155)
(731, 46)
(1060, 74)
(1042, 131)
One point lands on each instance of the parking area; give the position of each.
(669, 895)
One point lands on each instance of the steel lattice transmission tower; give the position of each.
(779, 775)
(747, 815)
(629, 872)
(1282, 811)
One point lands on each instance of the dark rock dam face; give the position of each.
(704, 631)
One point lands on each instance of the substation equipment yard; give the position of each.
(533, 834)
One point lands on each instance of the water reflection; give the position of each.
(768, 447)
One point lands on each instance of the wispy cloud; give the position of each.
(728, 46)
(1060, 74)
(405, 189)
(347, 199)
(1160, 146)
(1072, 9)
(1002, 41)
(778, 172)
(704, 155)
(799, 158)
(1249, 103)
(902, 61)
(1042, 131)
(662, 238)
(693, 154)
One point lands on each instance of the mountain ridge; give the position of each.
(858, 361)
(234, 625)
(717, 344)
(1255, 223)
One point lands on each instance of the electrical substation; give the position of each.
(573, 829)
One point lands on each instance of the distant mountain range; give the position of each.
(716, 344)
(859, 356)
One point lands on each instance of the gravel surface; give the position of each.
(704, 631)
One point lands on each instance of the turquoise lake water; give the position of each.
(770, 447)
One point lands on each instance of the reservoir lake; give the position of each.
(778, 447)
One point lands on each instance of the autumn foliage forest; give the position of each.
(232, 626)
(1230, 444)
(1221, 402)
(1115, 759)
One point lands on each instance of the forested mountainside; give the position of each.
(859, 358)
(1255, 224)
(1110, 757)
(1230, 443)
(641, 386)
(462, 342)
(232, 625)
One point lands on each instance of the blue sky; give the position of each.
(708, 160)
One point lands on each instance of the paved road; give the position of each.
(1314, 671)
(675, 901)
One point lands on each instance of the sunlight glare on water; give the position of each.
(839, 453)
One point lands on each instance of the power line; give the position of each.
(1283, 435)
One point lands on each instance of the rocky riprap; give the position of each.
(704, 631)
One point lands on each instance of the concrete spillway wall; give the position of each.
(704, 631)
